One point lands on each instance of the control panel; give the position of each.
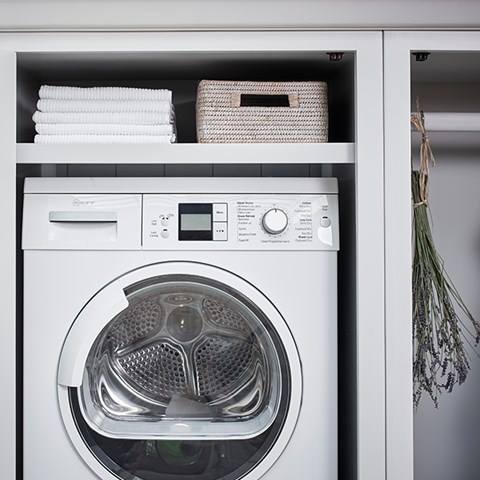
(240, 222)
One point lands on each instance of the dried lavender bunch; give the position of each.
(439, 333)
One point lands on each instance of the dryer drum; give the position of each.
(186, 349)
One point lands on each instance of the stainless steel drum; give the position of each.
(188, 357)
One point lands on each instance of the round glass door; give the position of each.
(190, 381)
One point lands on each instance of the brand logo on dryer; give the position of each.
(80, 202)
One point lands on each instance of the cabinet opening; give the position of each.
(181, 72)
(345, 173)
(447, 86)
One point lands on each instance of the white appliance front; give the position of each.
(246, 385)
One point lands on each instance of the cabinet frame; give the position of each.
(398, 49)
(367, 45)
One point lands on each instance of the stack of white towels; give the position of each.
(104, 115)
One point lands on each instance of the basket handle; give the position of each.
(264, 100)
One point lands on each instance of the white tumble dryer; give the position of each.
(180, 329)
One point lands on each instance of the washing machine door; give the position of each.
(179, 370)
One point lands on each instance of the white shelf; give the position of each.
(186, 153)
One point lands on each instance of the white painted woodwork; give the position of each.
(398, 339)
(452, 121)
(368, 145)
(398, 266)
(7, 262)
(453, 140)
(187, 153)
(370, 266)
(235, 14)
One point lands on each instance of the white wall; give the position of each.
(447, 439)
(35, 14)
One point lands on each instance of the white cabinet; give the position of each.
(370, 152)
(355, 155)
(8, 261)
(447, 83)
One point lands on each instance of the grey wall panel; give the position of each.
(237, 170)
(131, 170)
(447, 440)
(91, 170)
(188, 170)
(287, 170)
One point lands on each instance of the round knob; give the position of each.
(275, 221)
(325, 222)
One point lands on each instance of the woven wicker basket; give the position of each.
(269, 112)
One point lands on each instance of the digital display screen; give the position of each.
(195, 221)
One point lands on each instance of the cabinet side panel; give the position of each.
(7, 262)
(370, 261)
(398, 268)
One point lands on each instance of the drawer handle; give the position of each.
(82, 217)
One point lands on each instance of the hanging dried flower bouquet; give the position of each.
(442, 324)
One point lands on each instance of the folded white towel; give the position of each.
(103, 93)
(101, 129)
(103, 106)
(47, 139)
(136, 118)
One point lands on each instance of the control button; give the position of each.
(219, 212)
(325, 222)
(220, 231)
(165, 233)
(325, 235)
(275, 221)
(164, 220)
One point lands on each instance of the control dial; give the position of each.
(275, 221)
